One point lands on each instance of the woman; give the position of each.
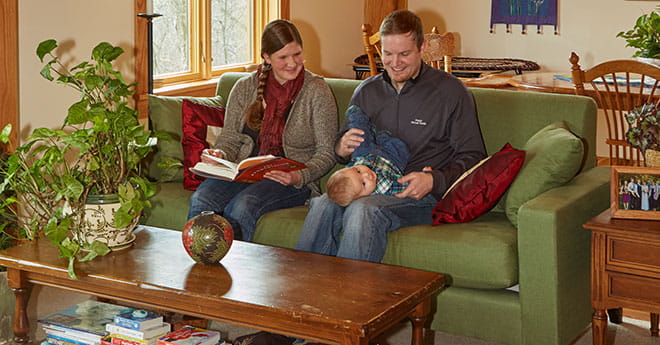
(625, 195)
(280, 109)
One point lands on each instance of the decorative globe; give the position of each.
(207, 237)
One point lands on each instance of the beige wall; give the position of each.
(78, 26)
(331, 34)
(588, 27)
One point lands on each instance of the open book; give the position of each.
(249, 170)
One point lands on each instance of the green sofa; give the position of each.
(512, 285)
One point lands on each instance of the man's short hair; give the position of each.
(403, 22)
(340, 189)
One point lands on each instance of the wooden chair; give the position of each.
(637, 84)
(440, 48)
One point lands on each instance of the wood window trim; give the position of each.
(142, 62)
(9, 67)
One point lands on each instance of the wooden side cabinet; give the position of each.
(625, 269)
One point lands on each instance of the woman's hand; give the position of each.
(211, 152)
(348, 142)
(290, 178)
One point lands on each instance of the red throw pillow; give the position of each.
(195, 120)
(479, 189)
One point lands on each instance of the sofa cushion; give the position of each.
(480, 254)
(479, 189)
(169, 206)
(165, 116)
(198, 123)
(553, 156)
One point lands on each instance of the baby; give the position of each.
(375, 165)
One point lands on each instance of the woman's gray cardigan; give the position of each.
(309, 132)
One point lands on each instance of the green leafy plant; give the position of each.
(98, 150)
(644, 128)
(645, 35)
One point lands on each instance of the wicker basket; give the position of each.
(652, 158)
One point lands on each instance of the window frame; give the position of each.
(201, 66)
(199, 87)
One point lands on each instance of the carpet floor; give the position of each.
(629, 332)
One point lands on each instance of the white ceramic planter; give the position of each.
(99, 223)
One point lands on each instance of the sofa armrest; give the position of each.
(554, 255)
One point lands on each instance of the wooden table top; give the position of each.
(605, 222)
(254, 285)
(543, 82)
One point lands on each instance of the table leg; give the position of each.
(418, 319)
(21, 289)
(599, 326)
(654, 324)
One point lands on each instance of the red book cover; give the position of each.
(249, 170)
(189, 335)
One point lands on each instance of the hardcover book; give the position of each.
(189, 335)
(138, 319)
(120, 339)
(145, 334)
(70, 335)
(249, 170)
(89, 317)
(55, 339)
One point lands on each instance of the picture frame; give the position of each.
(639, 199)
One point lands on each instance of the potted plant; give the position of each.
(95, 156)
(643, 132)
(644, 36)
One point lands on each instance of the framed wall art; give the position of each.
(635, 192)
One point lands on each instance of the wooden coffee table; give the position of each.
(316, 297)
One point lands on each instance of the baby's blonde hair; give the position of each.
(340, 189)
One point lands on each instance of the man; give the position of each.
(433, 113)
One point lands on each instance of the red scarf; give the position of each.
(279, 99)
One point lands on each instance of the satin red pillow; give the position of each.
(195, 121)
(479, 189)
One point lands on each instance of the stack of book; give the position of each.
(81, 324)
(189, 335)
(136, 327)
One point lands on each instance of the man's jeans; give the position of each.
(365, 224)
(243, 203)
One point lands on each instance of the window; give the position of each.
(196, 40)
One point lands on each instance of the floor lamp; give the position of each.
(150, 47)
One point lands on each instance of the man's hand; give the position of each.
(291, 178)
(211, 152)
(421, 184)
(349, 141)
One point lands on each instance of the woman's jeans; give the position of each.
(243, 203)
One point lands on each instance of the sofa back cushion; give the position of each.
(515, 116)
(165, 116)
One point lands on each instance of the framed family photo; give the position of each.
(635, 192)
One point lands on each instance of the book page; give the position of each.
(248, 162)
(213, 171)
(225, 162)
